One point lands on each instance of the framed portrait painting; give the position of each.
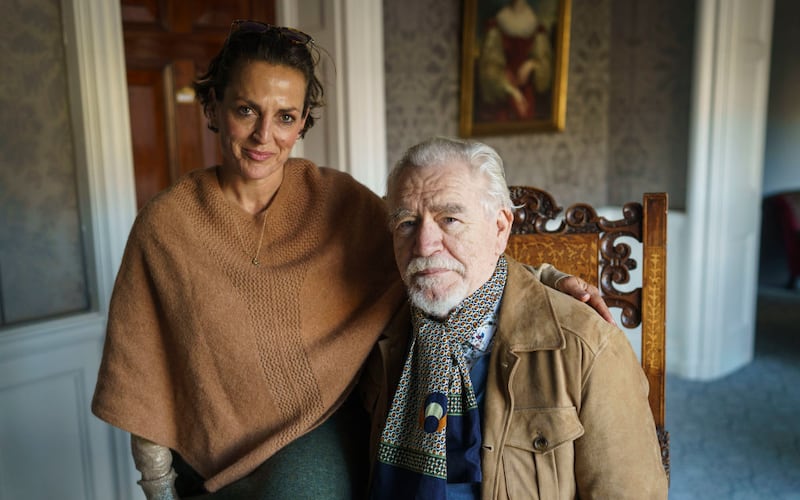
(514, 66)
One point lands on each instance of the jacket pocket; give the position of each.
(539, 455)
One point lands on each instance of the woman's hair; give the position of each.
(270, 45)
(480, 158)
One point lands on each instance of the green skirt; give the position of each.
(330, 462)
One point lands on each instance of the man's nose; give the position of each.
(429, 238)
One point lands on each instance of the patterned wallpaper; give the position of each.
(611, 151)
(651, 76)
(41, 250)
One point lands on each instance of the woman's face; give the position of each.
(260, 118)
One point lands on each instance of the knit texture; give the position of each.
(226, 362)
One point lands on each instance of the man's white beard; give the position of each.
(421, 288)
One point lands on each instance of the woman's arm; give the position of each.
(573, 285)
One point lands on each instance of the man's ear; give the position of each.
(505, 218)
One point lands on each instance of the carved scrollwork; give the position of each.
(536, 209)
(581, 218)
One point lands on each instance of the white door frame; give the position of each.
(351, 136)
(728, 126)
(98, 62)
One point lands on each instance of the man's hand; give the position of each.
(583, 291)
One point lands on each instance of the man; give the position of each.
(508, 389)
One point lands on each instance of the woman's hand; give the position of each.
(583, 291)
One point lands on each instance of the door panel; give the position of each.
(150, 161)
(167, 44)
(46, 429)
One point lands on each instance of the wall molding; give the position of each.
(726, 151)
(352, 135)
(96, 61)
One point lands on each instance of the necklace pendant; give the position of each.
(255, 261)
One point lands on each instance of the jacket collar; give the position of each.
(527, 321)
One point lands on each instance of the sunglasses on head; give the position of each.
(291, 34)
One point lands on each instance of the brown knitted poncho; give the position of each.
(226, 362)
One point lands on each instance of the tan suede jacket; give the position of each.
(566, 413)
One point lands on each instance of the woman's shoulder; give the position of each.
(309, 169)
(172, 201)
(335, 198)
(334, 183)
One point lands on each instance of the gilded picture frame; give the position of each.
(515, 55)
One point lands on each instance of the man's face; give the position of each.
(446, 243)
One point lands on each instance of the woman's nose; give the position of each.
(261, 130)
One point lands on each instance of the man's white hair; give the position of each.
(479, 157)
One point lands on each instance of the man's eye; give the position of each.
(287, 118)
(450, 220)
(245, 110)
(405, 225)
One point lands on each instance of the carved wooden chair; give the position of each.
(585, 244)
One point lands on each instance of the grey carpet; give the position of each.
(739, 437)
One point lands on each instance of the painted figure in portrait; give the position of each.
(514, 65)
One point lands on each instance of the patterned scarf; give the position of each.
(434, 409)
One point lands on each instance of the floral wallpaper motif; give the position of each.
(601, 158)
(651, 72)
(422, 62)
(42, 270)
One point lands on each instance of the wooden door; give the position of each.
(167, 44)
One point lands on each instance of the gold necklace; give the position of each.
(254, 260)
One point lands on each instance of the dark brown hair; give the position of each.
(270, 46)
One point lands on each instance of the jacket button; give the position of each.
(540, 443)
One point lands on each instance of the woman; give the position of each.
(249, 296)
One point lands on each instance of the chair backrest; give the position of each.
(584, 244)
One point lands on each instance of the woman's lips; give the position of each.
(258, 155)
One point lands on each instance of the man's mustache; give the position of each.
(421, 264)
